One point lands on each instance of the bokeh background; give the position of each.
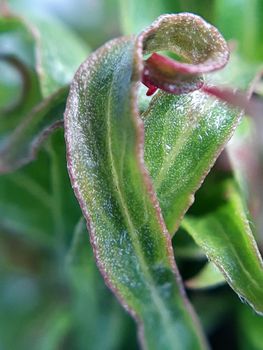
(51, 293)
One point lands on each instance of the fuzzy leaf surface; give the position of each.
(183, 137)
(179, 153)
(132, 247)
(104, 135)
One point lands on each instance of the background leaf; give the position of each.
(22, 145)
(242, 20)
(208, 277)
(59, 50)
(227, 240)
(137, 15)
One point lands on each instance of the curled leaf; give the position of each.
(199, 44)
(105, 153)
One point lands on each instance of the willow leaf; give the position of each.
(104, 136)
(226, 238)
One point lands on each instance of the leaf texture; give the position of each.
(179, 153)
(183, 137)
(104, 136)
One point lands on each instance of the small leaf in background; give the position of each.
(226, 238)
(46, 62)
(185, 247)
(242, 20)
(21, 146)
(250, 330)
(136, 15)
(208, 277)
(59, 51)
(17, 53)
(30, 196)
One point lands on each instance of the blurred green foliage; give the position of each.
(51, 293)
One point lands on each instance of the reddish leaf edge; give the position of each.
(139, 154)
(239, 99)
(171, 76)
(148, 183)
(180, 77)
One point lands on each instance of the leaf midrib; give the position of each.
(161, 307)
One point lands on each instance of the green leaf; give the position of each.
(104, 136)
(250, 330)
(34, 198)
(225, 236)
(33, 49)
(130, 243)
(59, 51)
(21, 145)
(135, 15)
(242, 20)
(208, 277)
(17, 55)
(25, 203)
(183, 137)
(95, 310)
(180, 151)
